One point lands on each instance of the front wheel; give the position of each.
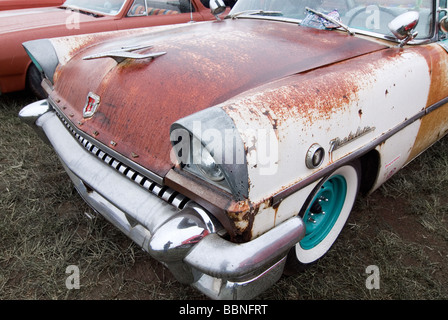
(325, 215)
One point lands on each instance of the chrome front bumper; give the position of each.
(194, 251)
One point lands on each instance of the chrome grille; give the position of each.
(169, 195)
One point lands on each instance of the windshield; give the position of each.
(109, 7)
(362, 15)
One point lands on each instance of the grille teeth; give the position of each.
(169, 195)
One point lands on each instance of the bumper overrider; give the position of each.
(179, 233)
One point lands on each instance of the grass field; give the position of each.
(402, 229)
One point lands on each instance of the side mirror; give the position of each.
(217, 7)
(443, 24)
(404, 25)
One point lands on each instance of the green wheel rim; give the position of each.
(324, 211)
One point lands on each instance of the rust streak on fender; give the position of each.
(435, 124)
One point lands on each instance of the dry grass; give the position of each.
(401, 228)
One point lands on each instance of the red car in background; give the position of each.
(80, 17)
(23, 4)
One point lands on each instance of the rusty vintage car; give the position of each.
(233, 150)
(23, 4)
(79, 17)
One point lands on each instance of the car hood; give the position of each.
(205, 64)
(29, 19)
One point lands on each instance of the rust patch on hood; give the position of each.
(205, 64)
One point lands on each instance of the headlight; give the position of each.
(204, 162)
(208, 145)
(194, 157)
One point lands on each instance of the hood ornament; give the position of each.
(126, 53)
(92, 103)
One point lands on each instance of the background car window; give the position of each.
(158, 7)
(106, 7)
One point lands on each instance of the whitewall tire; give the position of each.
(326, 214)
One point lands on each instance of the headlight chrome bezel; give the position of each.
(191, 135)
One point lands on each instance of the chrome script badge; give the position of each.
(92, 103)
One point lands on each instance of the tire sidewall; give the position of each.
(351, 174)
(33, 82)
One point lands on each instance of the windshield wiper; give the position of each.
(331, 19)
(252, 12)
